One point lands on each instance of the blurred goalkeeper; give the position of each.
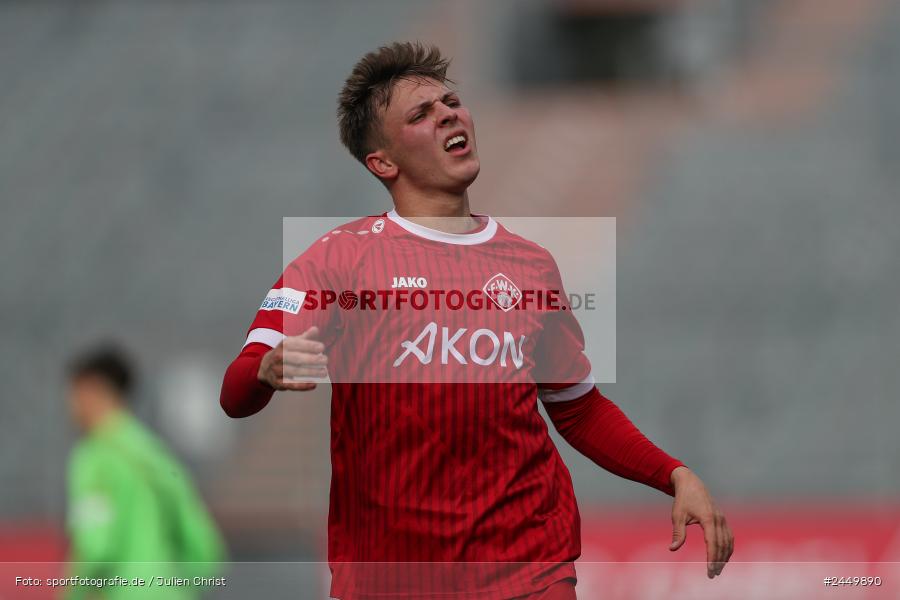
(133, 511)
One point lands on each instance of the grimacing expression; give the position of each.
(430, 136)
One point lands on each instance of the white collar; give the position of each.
(463, 239)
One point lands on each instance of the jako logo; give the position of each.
(409, 282)
(448, 347)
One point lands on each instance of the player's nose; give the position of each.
(446, 116)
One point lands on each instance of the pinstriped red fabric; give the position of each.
(444, 477)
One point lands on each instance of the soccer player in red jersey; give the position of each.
(445, 482)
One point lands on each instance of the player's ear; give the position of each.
(381, 165)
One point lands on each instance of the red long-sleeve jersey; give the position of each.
(439, 347)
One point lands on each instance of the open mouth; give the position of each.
(457, 144)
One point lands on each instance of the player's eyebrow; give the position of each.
(427, 103)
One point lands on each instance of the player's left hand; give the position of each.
(693, 504)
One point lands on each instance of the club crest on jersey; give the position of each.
(502, 292)
(284, 299)
(378, 226)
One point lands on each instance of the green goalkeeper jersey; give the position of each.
(134, 513)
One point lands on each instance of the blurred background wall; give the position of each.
(148, 152)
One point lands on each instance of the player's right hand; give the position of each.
(288, 365)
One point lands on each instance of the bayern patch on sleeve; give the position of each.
(287, 300)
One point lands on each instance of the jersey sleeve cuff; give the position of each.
(269, 337)
(566, 394)
(664, 483)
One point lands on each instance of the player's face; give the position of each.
(422, 118)
(86, 397)
(81, 395)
